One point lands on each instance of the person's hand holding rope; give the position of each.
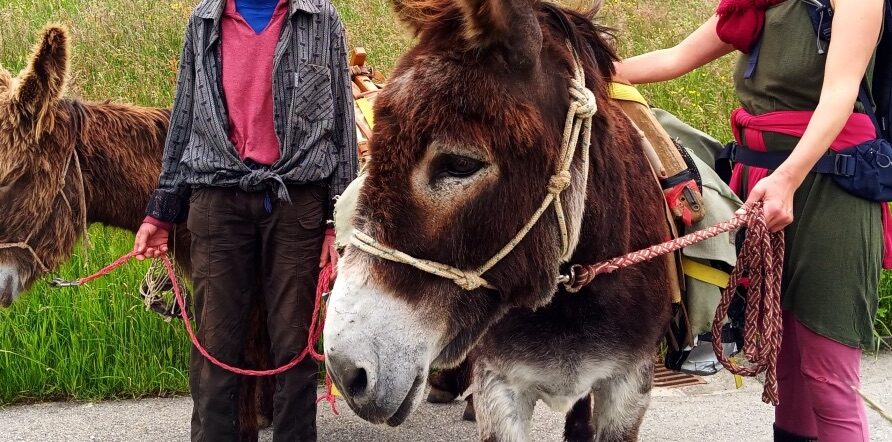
(776, 194)
(151, 242)
(329, 254)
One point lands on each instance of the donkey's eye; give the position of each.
(456, 166)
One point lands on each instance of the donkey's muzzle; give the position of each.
(352, 378)
(378, 348)
(10, 285)
(374, 396)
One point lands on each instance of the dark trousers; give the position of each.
(242, 250)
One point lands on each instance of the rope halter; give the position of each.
(577, 133)
(74, 159)
(60, 193)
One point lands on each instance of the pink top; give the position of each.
(248, 82)
(248, 86)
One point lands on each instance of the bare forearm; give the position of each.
(651, 67)
(699, 48)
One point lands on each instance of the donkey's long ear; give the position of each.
(5, 80)
(43, 81)
(510, 24)
(421, 14)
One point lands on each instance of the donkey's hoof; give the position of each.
(437, 396)
(469, 414)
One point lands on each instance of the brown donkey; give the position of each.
(64, 163)
(467, 137)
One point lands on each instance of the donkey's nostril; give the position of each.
(356, 380)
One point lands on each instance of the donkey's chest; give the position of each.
(558, 384)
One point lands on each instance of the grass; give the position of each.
(91, 342)
(98, 341)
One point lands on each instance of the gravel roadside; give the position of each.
(715, 412)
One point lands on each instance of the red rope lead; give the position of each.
(314, 332)
(110, 268)
(761, 261)
(582, 275)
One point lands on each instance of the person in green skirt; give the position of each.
(798, 95)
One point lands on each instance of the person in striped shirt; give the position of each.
(261, 141)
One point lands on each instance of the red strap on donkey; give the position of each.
(315, 330)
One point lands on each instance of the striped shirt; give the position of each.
(312, 111)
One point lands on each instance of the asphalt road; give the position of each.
(715, 412)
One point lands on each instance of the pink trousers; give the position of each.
(815, 379)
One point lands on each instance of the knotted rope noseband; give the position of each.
(577, 133)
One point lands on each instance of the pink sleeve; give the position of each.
(158, 223)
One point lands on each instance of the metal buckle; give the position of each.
(569, 279)
(571, 284)
(59, 283)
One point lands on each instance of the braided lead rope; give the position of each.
(582, 275)
(761, 260)
(583, 107)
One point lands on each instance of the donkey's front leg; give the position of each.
(620, 402)
(503, 410)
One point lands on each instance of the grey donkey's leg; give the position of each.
(503, 411)
(620, 403)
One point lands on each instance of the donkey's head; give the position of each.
(467, 136)
(36, 142)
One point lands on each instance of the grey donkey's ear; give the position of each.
(43, 81)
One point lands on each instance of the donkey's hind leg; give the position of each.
(503, 411)
(620, 403)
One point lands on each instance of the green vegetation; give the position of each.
(98, 341)
(91, 342)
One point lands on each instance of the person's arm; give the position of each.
(698, 49)
(344, 136)
(168, 204)
(856, 28)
